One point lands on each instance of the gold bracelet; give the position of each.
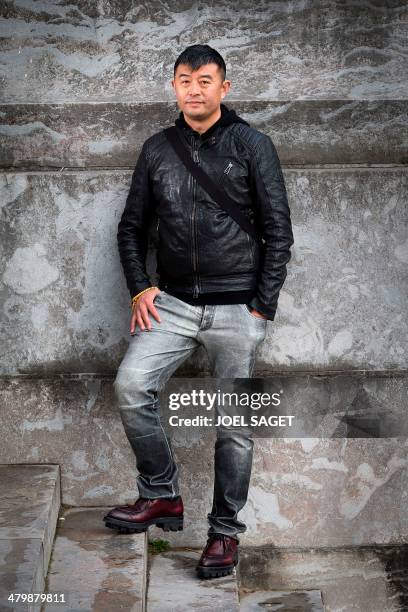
(136, 297)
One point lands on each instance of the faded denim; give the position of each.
(230, 335)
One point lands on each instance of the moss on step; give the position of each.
(158, 546)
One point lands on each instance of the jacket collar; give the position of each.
(228, 116)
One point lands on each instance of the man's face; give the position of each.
(199, 92)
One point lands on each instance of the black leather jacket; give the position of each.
(201, 248)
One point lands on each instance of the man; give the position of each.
(218, 288)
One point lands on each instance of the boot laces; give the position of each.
(139, 504)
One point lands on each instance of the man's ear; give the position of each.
(172, 83)
(226, 86)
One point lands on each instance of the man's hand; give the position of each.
(258, 314)
(140, 311)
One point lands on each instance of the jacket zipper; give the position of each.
(196, 290)
(251, 255)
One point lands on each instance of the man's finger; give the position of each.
(139, 319)
(145, 316)
(133, 321)
(152, 308)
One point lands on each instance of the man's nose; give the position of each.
(194, 88)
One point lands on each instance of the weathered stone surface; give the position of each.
(97, 568)
(30, 500)
(29, 503)
(277, 50)
(174, 585)
(61, 273)
(301, 601)
(21, 571)
(77, 422)
(304, 492)
(352, 579)
(305, 132)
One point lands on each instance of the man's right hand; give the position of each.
(141, 310)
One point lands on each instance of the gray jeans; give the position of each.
(230, 335)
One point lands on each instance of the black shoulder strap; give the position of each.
(208, 184)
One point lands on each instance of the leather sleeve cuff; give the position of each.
(137, 288)
(262, 308)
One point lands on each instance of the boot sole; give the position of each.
(167, 523)
(216, 571)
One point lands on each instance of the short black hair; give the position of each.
(199, 55)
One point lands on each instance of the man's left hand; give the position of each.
(258, 314)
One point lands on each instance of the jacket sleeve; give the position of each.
(132, 235)
(273, 212)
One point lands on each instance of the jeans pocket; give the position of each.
(247, 310)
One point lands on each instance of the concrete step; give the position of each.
(352, 579)
(175, 587)
(95, 567)
(342, 206)
(299, 488)
(325, 131)
(29, 502)
(289, 49)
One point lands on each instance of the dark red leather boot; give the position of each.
(136, 518)
(219, 556)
